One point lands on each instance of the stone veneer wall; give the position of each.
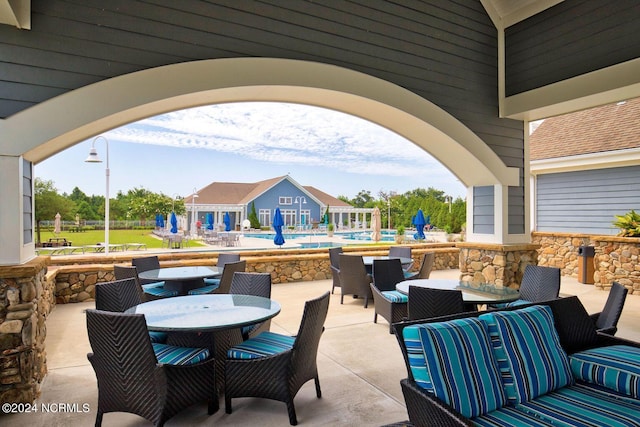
(27, 296)
(492, 263)
(616, 258)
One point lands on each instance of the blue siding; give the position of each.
(483, 208)
(586, 201)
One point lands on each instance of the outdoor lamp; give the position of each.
(93, 158)
(300, 200)
(193, 211)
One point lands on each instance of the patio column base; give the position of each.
(502, 265)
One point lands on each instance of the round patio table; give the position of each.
(484, 293)
(181, 279)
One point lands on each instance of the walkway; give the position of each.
(360, 366)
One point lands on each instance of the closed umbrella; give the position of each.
(161, 220)
(277, 224)
(209, 221)
(419, 222)
(174, 223)
(57, 224)
(227, 222)
(376, 225)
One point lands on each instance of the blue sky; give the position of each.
(248, 142)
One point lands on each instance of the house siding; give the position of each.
(483, 210)
(586, 201)
(269, 200)
(572, 38)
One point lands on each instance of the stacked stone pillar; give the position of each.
(502, 265)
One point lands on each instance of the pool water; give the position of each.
(387, 236)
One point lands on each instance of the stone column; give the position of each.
(502, 265)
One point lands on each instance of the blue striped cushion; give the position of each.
(395, 296)
(501, 358)
(161, 292)
(537, 362)
(157, 336)
(456, 364)
(582, 406)
(152, 285)
(264, 344)
(508, 416)
(172, 355)
(212, 282)
(203, 290)
(616, 367)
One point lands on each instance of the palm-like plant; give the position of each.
(629, 224)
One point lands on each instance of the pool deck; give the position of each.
(359, 363)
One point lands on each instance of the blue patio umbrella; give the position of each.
(227, 222)
(161, 218)
(419, 222)
(174, 223)
(277, 224)
(157, 220)
(209, 221)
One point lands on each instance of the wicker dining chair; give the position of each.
(150, 291)
(334, 261)
(389, 303)
(354, 279)
(274, 366)
(425, 303)
(258, 284)
(224, 258)
(402, 252)
(225, 281)
(607, 320)
(425, 267)
(145, 264)
(539, 284)
(142, 378)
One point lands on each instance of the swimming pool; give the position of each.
(362, 236)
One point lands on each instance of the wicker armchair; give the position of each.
(258, 284)
(150, 291)
(334, 260)
(354, 279)
(425, 303)
(402, 252)
(225, 281)
(131, 378)
(425, 267)
(607, 320)
(145, 264)
(278, 369)
(224, 258)
(389, 303)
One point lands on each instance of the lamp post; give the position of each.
(193, 211)
(93, 158)
(448, 200)
(300, 200)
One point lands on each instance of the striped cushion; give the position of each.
(454, 361)
(532, 350)
(508, 416)
(262, 345)
(583, 406)
(152, 285)
(172, 355)
(160, 292)
(156, 336)
(616, 367)
(203, 290)
(395, 296)
(501, 358)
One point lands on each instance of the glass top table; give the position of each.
(368, 260)
(483, 293)
(181, 279)
(199, 313)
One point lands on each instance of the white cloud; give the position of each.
(286, 134)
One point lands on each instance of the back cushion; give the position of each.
(453, 360)
(616, 367)
(532, 362)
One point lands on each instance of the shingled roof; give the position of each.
(240, 193)
(606, 128)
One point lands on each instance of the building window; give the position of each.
(289, 217)
(305, 217)
(264, 215)
(285, 200)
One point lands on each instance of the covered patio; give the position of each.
(359, 363)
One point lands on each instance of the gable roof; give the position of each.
(241, 193)
(607, 128)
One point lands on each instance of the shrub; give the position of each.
(629, 224)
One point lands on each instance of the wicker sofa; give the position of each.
(538, 365)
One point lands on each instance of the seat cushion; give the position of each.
(395, 296)
(152, 285)
(172, 355)
(616, 367)
(582, 406)
(264, 344)
(453, 360)
(508, 416)
(212, 282)
(157, 337)
(159, 291)
(526, 345)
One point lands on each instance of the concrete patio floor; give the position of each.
(359, 362)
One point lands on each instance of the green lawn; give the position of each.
(92, 237)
